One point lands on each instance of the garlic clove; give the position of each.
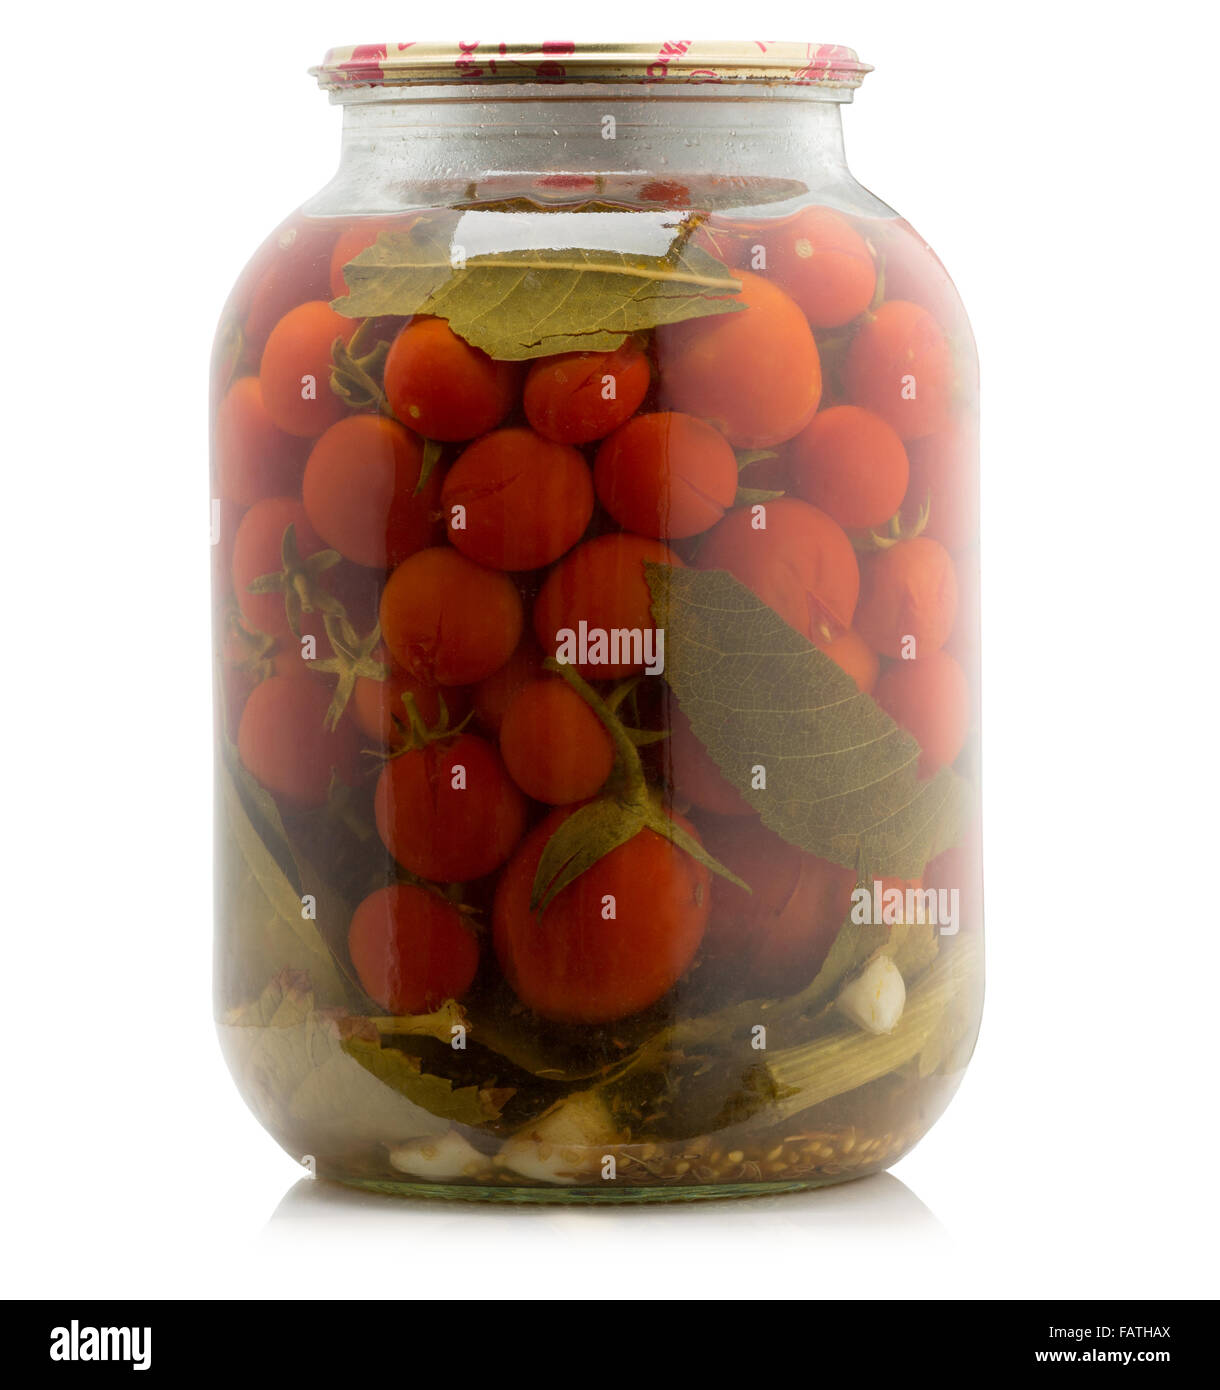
(566, 1145)
(875, 999)
(439, 1157)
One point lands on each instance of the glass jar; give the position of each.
(596, 571)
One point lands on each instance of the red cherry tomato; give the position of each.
(778, 935)
(516, 501)
(238, 678)
(851, 464)
(493, 695)
(449, 812)
(289, 269)
(930, 698)
(447, 620)
(254, 457)
(857, 658)
(379, 710)
(442, 387)
(602, 584)
(666, 475)
(554, 746)
(908, 599)
(613, 941)
(753, 373)
(362, 495)
(820, 259)
(800, 562)
(944, 479)
(580, 396)
(284, 744)
(295, 370)
(900, 367)
(411, 949)
(913, 272)
(258, 550)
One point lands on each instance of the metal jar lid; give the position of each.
(561, 62)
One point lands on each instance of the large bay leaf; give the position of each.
(261, 928)
(841, 776)
(523, 301)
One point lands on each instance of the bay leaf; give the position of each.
(841, 776)
(531, 301)
(260, 926)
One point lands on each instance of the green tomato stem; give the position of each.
(634, 785)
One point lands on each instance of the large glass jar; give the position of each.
(595, 536)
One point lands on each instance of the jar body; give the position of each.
(595, 556)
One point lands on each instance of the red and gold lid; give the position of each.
(563, 61)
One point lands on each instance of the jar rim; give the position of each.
(559, 62)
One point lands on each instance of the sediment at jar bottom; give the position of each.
(597, 700)
(797, 1153)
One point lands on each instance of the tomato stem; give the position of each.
(351, 658)
(418, 732)
(896, 530)
(355, 377)
(633, 785)
(297, 580)
(627, 760)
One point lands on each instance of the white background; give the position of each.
(1061, 159)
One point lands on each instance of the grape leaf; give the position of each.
(519, 302)
(841, 776)
(468, 1105)
(321, 1078)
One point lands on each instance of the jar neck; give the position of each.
(502, 141)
